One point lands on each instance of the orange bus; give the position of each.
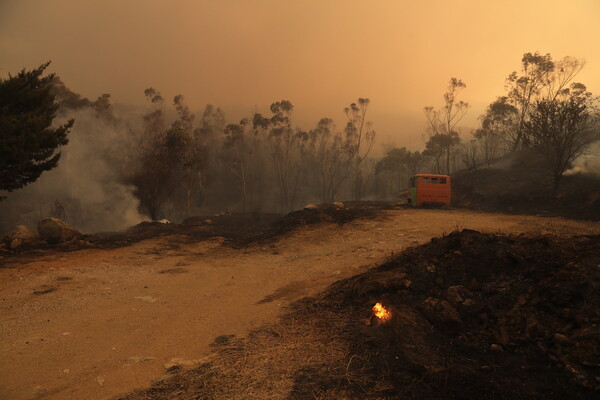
(429, 189)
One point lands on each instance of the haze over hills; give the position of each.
(321, 56)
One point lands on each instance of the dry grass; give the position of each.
(267, 363)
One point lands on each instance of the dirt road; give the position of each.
(96, 323)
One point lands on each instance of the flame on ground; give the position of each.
(381, 312)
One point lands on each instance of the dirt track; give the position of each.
(96, 323)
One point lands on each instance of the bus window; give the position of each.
(426, 180)
(443, 181)
(434, 180)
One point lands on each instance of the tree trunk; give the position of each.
(243, 176)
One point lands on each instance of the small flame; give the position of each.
(381, 312)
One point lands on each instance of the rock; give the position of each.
(177, 363)
(457, 294)
(585, 333)
(54, 231)
(338, 204)
(473, 285)
(173, 369)
(137, 359)
(18, 236)
(496, 347)
(161, 378)
(501, 334)
(562, 339)
(311, 207)
(469, 303)
(442, 314)
(147, 299)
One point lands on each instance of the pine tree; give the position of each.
(28, 142)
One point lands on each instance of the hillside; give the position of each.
(520, 184)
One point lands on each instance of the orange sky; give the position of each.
(319, 54)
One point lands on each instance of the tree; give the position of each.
(207, 137)
(281, 140)
(562, 129)
(440, 144)
(470, 154)
(65, 97)
(540, 78)
(443, 122)
(236, 152)
(28, 142)
(187, 143)
(361, 137)
(498, 131)
(332, 155)
(401, 164)
(103, 107)
(156, 159)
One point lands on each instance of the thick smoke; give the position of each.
(86, 189)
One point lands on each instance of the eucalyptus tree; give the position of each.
(498, 132)
(361, 136)
(442, 123)
(563, 128)
(540, 78)
(156, 159)
(281, 140)
(332, 154)
(237, 153)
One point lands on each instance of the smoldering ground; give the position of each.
(87, 188)
(589, 163)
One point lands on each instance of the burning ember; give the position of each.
(381, 312)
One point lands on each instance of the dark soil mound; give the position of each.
(328, 212)
(474, 316)
(241, 229)
(482, 316)
(521, 184)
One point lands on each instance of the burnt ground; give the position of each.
(238, 229)
(520, 184)
(473, 316)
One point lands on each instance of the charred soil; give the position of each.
(237, 229)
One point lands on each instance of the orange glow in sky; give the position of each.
(242, 55)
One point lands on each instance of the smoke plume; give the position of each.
(86, 189)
